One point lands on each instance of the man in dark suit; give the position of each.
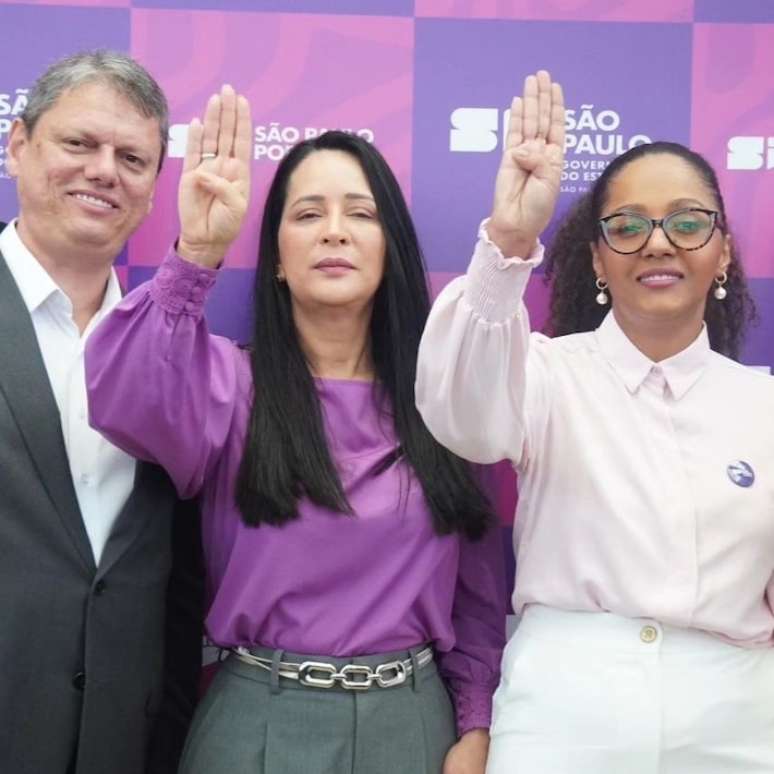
(85, 530)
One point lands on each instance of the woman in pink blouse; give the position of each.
(645, 526)
(353, 571)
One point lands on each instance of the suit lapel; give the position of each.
(131, 519)
(25, 384)
(147, 501)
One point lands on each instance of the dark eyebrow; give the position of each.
(675, 204)
(320, 198)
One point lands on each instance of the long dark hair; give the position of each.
(569, 261)
(286, 456)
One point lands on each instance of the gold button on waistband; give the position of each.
(648, 633)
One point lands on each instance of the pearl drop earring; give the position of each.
(602, 297)
(720, 292)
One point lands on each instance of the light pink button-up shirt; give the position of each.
(645, 489)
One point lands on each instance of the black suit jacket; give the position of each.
(81, 646)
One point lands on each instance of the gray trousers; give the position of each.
(252, 723)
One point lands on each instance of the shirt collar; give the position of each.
(681, 371)
(34, 282)
(112, 297)
(36, 285)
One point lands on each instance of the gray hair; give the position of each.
(113, 68)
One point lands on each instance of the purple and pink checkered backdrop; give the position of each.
(429, 81)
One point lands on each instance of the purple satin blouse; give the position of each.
(165, 390)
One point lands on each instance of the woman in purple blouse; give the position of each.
(354, 571)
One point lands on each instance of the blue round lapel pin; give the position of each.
(741, 473)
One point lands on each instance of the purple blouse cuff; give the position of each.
(473, 707)
(180, 286)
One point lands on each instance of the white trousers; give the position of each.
(595, 693)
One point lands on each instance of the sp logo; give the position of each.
(475, 129)
(750, 153)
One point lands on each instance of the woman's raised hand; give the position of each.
(214, 188)
(528, 180)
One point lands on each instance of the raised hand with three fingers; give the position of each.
(214, 188)
(528, 180)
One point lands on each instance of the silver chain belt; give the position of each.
(354, 677)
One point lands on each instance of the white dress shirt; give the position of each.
(103, 475)
(645, 489)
